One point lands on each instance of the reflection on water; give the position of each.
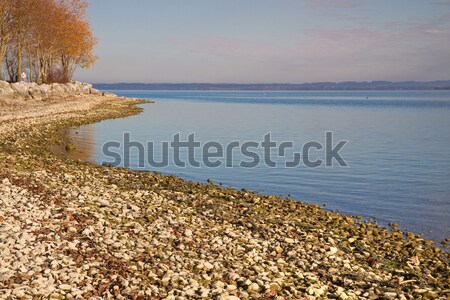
(398, 152)
(86, 144)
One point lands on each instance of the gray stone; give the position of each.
(58, 90)
(35, 93)
(45, 90)
(83, 88)
(71, 88)
(108, 94)
(6, 92)
(95, 92)
(20, 89)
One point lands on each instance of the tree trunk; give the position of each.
(2, 55)
(10, 67)
(30, 65)
(39, 69)
(1, 68)
(19, 60)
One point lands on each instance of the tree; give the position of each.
(47, 37)
(77, 42)
(21, 21)
(44, 37)
(6, 15)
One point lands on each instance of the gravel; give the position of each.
(73, 230)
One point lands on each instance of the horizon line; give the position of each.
(279, 83)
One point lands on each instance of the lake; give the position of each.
(397, 147)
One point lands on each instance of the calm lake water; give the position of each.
(398, 148)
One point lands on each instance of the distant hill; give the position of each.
(314, 86)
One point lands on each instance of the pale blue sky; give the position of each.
(261, 41)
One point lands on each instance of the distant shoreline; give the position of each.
(315, 86)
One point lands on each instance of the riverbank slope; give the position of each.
(74, 230)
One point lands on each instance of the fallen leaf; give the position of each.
(271, 293)
(102, 288)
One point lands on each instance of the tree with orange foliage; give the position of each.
(77, 42)
(47, 37)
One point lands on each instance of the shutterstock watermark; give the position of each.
(213, 154)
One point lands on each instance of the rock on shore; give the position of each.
(31, 91)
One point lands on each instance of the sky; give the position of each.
(268, 41)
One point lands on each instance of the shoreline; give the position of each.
(75, 228)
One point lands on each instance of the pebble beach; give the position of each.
(75, 230)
